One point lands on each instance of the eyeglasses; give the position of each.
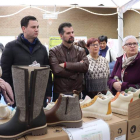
(94, 45)
(130, 44)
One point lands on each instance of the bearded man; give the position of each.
(68, 63)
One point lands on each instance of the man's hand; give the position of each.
(117, 85)
(81, 61)
(61, 65)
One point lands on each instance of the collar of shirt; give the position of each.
(103, 52)
(27, 42)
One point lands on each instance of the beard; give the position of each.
(71, 40)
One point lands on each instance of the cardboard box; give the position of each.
(118, 128)
(21, 139)
(133, 130)
(133, 120)
(134, 110)
(137, 138)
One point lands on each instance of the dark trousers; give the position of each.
(84, 93)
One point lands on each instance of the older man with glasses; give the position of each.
(127, 67)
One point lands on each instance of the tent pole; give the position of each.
(120, 32)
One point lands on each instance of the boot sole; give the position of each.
(119, 111)
(97, 115)
(34, 132)
(69, 124)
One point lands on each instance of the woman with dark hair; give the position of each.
(83, 44)
(107, 52)
(98, 71)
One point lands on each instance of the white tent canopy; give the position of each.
(64, 3)
(121, 5)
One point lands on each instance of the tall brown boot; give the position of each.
(30, 86)
(66, 112)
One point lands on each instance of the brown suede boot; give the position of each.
(66, 112)
(30, 86)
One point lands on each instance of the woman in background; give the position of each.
(83, 44)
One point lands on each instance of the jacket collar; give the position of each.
(67, 47)
(25, 46)
(27, 42)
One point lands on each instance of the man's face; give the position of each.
(68, 35)
(31, 31)
(103, 45)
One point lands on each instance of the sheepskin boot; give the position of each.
(66, 112)
(30, 85)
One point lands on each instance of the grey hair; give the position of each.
(128, 37)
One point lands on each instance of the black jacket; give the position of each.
(17, 53)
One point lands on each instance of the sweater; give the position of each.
(97, 75)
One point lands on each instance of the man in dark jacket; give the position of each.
(68, 63)
(24, 51)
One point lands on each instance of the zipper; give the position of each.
(67, 102)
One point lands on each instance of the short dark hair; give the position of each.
(61, 26)
(102, 38)
(25, 20)
(91, 40)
